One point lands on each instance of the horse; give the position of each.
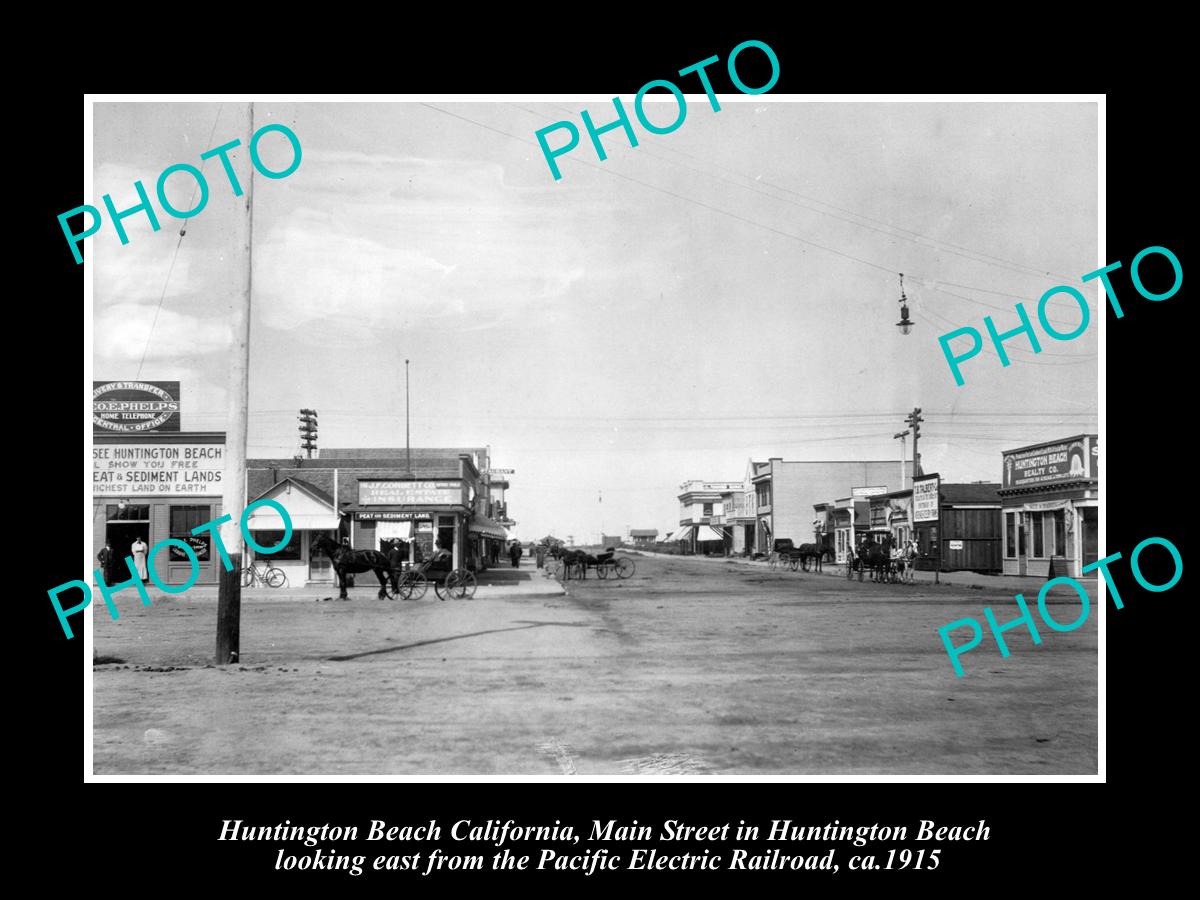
(346, 560)
(877, 558)
(905, 560)
(813, 553)
(571, 558)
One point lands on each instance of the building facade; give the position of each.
(701, 513)
(786, 494)
(1050, 497)
(372, 497)
(156, 485)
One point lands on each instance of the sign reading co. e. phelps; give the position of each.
(135, 407)
(1073, 459)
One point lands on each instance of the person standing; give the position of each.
(139, 551)
(106, 557)
(514, 553)
(396, 559)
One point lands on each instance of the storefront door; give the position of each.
(123, 527)
(1090, 534)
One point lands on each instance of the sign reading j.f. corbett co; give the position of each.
(123, 470)
(410, 493)
(925, 498)
(132, 407)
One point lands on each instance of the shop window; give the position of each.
(271, 538)
(707, 511)
(183, 520)
(1039, 547)
(1060, 532)
(130, 513)
(1010, 535)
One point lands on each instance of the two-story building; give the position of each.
(786, 494)
(701, 512)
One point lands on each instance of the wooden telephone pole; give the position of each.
(233, 496)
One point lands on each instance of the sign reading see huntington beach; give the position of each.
(127, 407)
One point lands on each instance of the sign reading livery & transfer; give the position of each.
(410, 493)
(132, 407)
(123, 470)
(925, 499)
(1071, 460)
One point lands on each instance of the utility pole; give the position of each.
(902, 435)
(407, 443)
(233, 495)
(914, 421)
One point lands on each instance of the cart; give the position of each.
(413, 582)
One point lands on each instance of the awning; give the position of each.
(484, 525)
(708, 533)
(682, 533)
(387, 531)
(266, 519)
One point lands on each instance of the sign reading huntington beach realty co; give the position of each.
(135, 407)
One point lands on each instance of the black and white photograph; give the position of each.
(532, 437)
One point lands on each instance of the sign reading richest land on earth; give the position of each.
(132, 407)
(120, 470)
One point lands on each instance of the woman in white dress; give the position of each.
(139, 550)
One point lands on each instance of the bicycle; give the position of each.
(261, 573)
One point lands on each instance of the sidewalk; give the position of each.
(494, 584)
(1015, 584)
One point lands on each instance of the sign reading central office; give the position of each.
(409, 493)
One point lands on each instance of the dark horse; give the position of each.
(813, 553)
(346, 560)
(878, 558)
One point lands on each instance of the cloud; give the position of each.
(122, 329)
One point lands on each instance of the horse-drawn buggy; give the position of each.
(405, 582)
(788, 556)
(575, 563)
(884, 561)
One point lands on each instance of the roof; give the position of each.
(971, 493)
(305, 486)
(643, 532)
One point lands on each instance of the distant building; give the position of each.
(644, 538)
(611, 540)
(701, 514)
(786, 494)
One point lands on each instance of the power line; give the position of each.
(934, 243)
(175, 255)
(891, 270)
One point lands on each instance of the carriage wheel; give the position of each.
(276, 578)
(459, 585)
(625, 567)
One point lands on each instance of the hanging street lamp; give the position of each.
(905, 324)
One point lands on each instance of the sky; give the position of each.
(725, 292)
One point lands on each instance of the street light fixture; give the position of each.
(905, 324)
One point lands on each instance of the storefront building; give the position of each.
(786, 493)
(153, 486)
(1050, 497)
(372, 497)
(701, 511)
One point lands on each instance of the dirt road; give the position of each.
(691, 666)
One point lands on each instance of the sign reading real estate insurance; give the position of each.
(123, 470)
(410, 493)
